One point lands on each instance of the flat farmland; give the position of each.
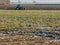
(29, 18)
(29, 27)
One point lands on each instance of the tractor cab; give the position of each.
(18, 7)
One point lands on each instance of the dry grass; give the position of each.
(12, 19)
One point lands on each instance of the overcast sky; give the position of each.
(38, 1)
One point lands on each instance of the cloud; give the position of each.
(37, 1)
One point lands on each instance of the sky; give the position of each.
(37, 1)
